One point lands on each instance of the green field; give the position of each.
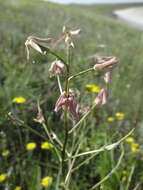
(101, 34)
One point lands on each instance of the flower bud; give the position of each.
(57, 68)
(101, 98)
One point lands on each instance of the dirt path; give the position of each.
(132, 16)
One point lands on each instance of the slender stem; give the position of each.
(111, 172)
(137, 186)
(51, 140)
(82, 119)
(107, 147)
(130, 177)
(68, 71)
(76, 148)
(58, 141)
(65, 109)
(65, 138)
(58, 177)
(68, 176)
(59, 84)
(86, 160)
(80, 73)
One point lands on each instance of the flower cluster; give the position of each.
(44, 145)
(67, 99)
(133, 145)
(118, 116)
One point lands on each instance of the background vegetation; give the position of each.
(101, 34)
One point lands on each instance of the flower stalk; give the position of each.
(67, 102)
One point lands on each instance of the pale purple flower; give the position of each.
(67, 37)
(101, 98)
(57, 68)
(37, 43)
(70, 102)
(105, 63)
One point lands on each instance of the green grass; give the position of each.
(20, 19)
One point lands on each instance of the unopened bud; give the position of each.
(101, 98)
(57, 68)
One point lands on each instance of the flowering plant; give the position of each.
(68, 153)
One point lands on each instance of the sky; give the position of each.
(95, 1)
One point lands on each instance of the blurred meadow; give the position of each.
(27, 158)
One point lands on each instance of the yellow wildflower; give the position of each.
(46, 145)
(110, 119)
(19, 100)
(46, 181)
(135, 147)
(124, 172)
(130, 140)
(93, 87)
(120, 115)
(87, 149)
(31, 146)
(89, 85)
(18, 188)
(5, 153)
(3, 177)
